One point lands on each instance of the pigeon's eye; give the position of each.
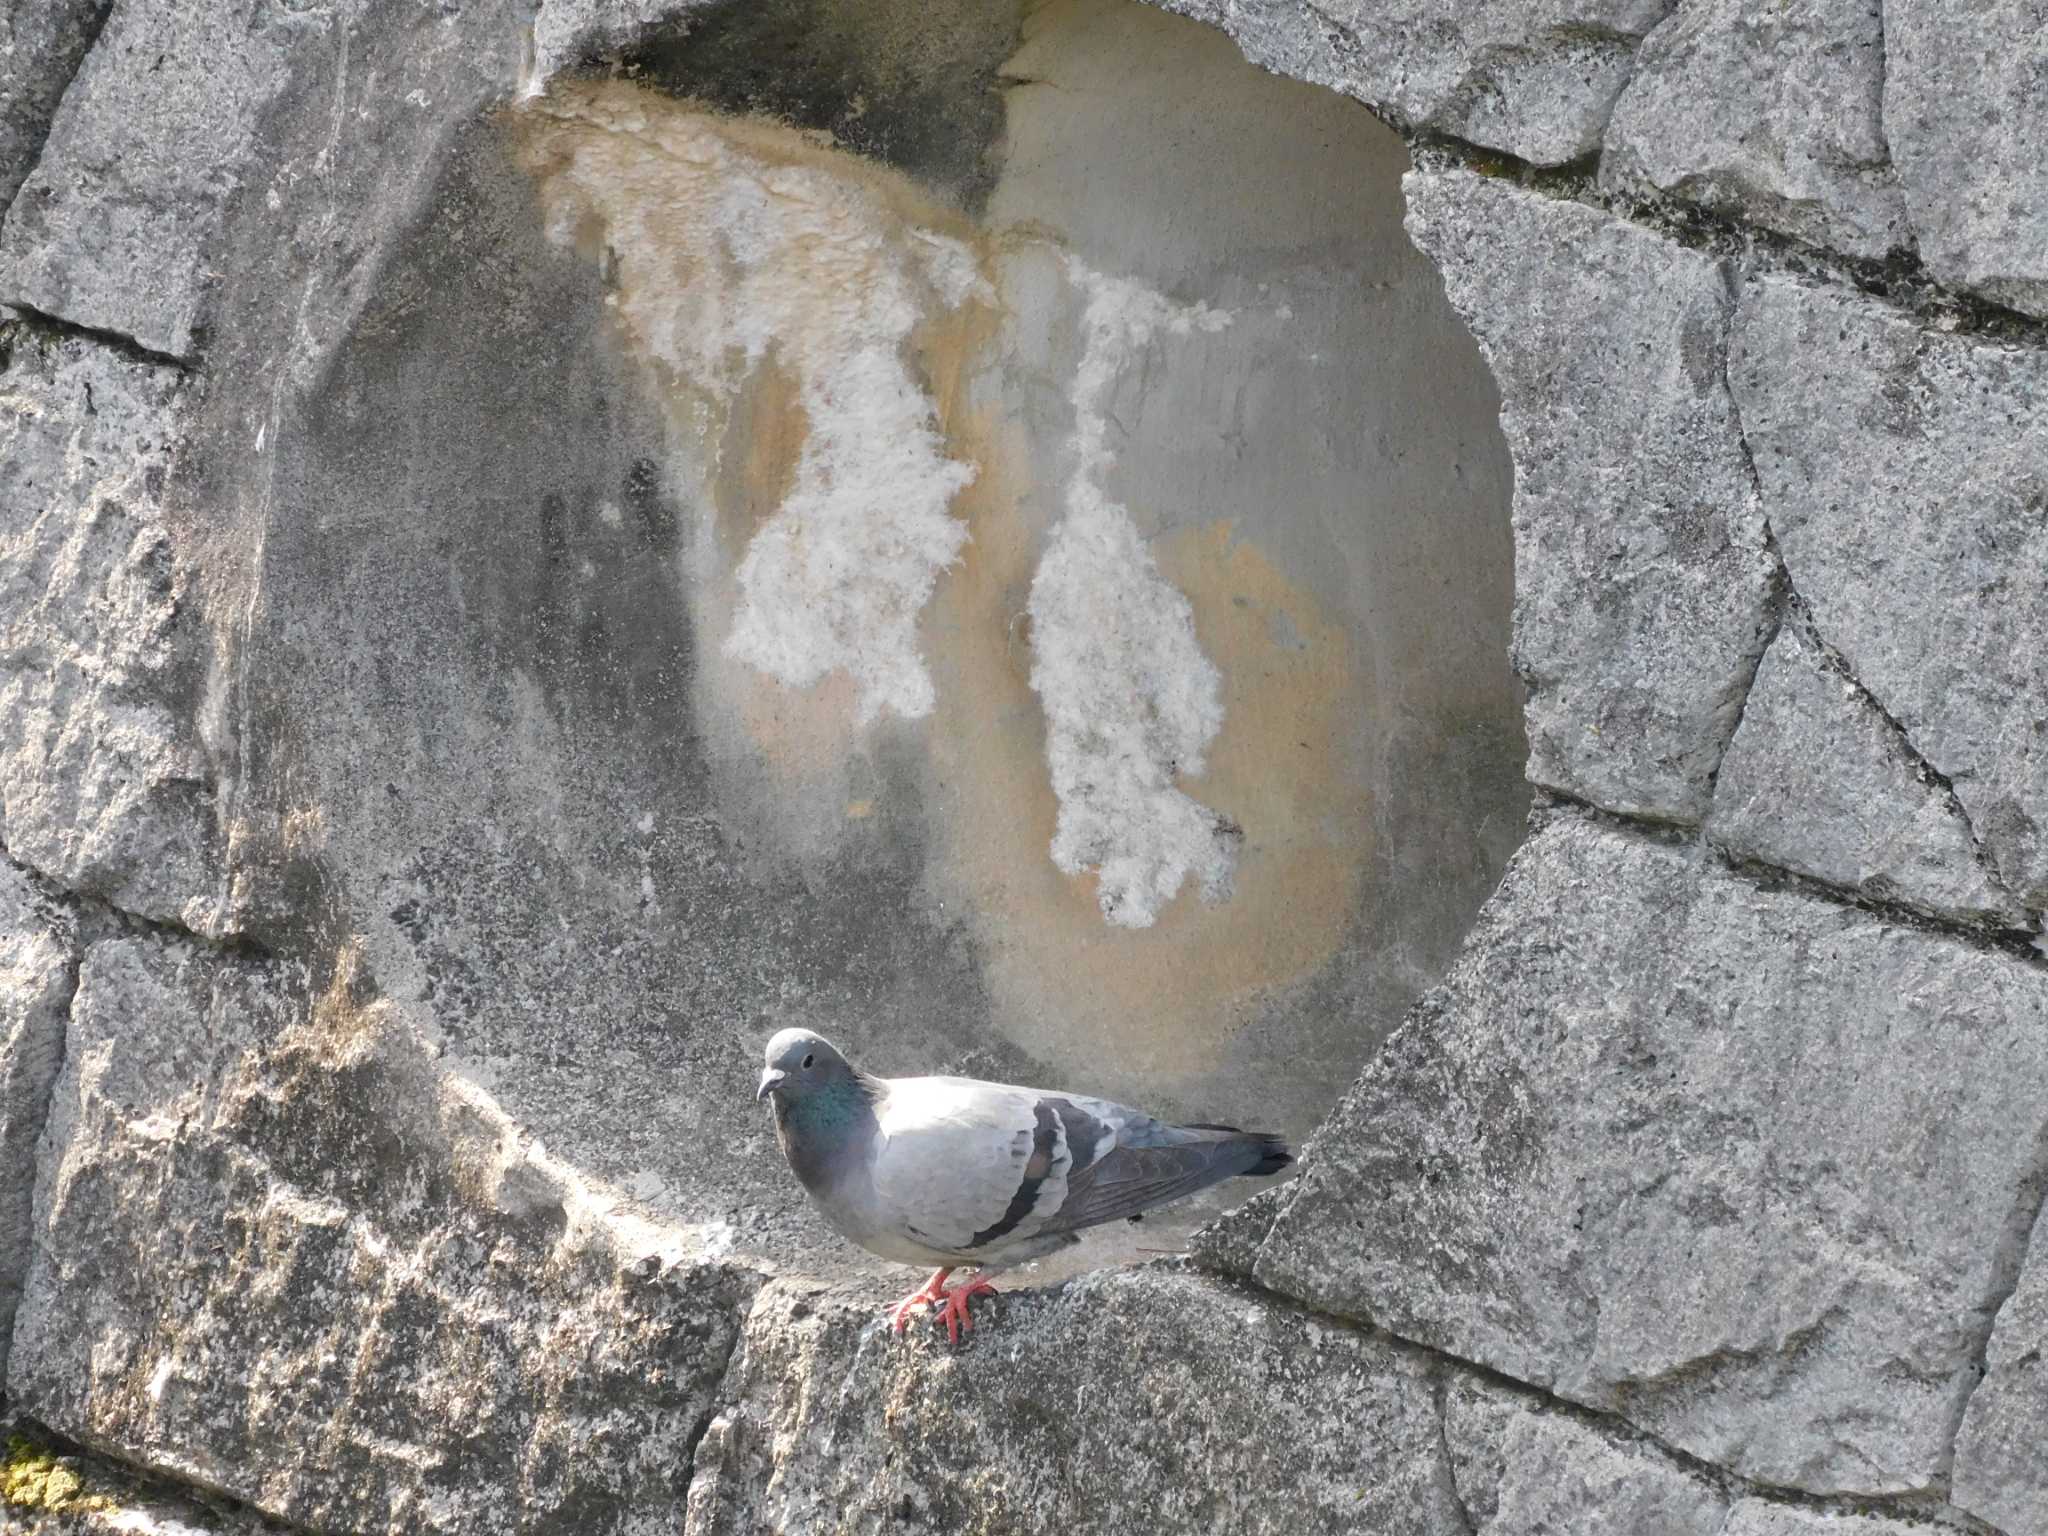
(807, 1062)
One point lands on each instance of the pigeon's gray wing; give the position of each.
(1136, 1163)
(965, 1167)
(972, 1168)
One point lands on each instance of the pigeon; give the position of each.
(959, 1173)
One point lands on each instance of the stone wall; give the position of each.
(370, 1153)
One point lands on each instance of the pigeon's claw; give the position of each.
(932, 1290)
(954, 1313)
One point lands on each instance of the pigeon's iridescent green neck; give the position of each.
(816, 1128)
(831, 1106)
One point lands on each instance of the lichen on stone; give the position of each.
(33, 1477)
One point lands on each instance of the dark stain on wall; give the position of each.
(911, 85)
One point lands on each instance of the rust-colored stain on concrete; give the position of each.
(1164, 1001)
(1157, 1003)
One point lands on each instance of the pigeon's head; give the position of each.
(800, 1064)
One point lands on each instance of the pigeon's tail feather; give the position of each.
(1170, 1163)
(1273, 1153)
(1273, 1156)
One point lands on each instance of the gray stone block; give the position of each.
(1966, 113)
(1148, 1399)
(1757, 1517)
(105, 783)
(1523, 1471)
(1817, 781)
(1535, 80)
(35, 994)
(1765, 112)
(1902, 474)
(152, 139)
(2000, 1472)
(41, 47)
(1737, 1164)
(202, 138)
(281, 1255)
(1643, 586)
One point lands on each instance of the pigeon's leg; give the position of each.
(932, 1290)
(954, 1313)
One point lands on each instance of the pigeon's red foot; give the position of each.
(954, 1313)
(932, 1290)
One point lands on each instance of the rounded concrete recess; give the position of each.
(974, 532)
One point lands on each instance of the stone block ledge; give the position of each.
(455, 1330)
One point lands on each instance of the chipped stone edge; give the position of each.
(57, 106)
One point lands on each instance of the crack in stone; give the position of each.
(74, 960)
(1479, 76)
(1887, 164)
(2006, 943)
(1596, 35)
(1788, 604)
(1923, 766)
(1583, 31)
(1899, 281)
(724, 1396)
(97, 918)
(1884, 75)
(1447, 1464)
(2008, 1263)
(1922, 1504)
(118, 342)
(1778, 599)
(138, 1482)
(2010, 944)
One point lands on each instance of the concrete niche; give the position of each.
(976, 531)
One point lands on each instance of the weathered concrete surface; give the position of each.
(1147, 1398)
(445, 598)
(2000, 1473)
(1637, 530)
(566, 32)
(35, 993)
(105, 782)
(904, 83)
(279, 1253)
(1535, 80)
(1768, 113)
(1817, 781)
(41, 46)
(1966, 115)
(1907, 498)
(601, 853)
(1745, 1166)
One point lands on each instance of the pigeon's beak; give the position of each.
(770, 1081)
